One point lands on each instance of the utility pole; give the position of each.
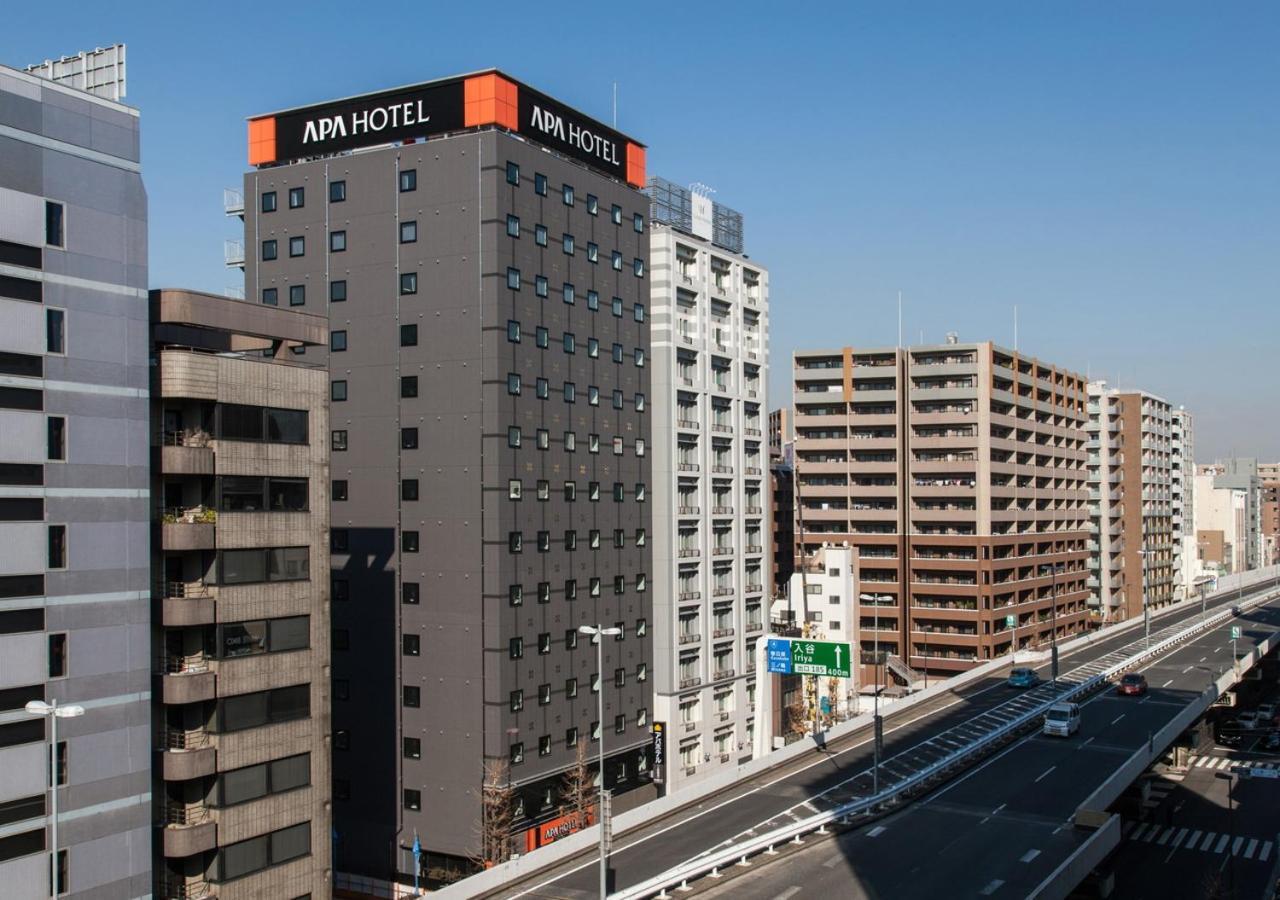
(598, 633)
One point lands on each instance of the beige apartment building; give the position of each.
(957, 472)
(240, 628)
(1130, 466)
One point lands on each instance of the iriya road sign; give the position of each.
(827, 658)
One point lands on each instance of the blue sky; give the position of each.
(1110, 168)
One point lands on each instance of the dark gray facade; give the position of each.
(74, 543)
(461, 562)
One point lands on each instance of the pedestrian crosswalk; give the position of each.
(1199, 840)
(1224, 762)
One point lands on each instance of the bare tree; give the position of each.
(497, 811)
(797, 718)
(578, 790)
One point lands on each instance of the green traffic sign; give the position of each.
(1235, 632)
(829, 659)
(1010, 621)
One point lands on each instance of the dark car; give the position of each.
(1227, 732)
(1133, 684)
(1235, 611)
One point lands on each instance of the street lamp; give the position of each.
(1053, 618)
(1146, 607)
(875, 701)
(597, 633)
(54, 712)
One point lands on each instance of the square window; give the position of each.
(409, 489)
(566, 243)
(269, 202)
(337, 191)
(615, 213)
(568, 294)
(297, 245)
(515, 489)
(340, 490)
(269, 251)
(566, 194)
(593, 204)
(540, 235)
(337, 291)
(337, 341)
(515, 595)
(338, 391)
(513, 278)
(540, 184)
(408, 438)
(297, 198)
(412, 696)
(540, 286)
(338, 440)
(593, 252)
(408, 386)
(409, 593)
(271, 296)
(513, 383)
(513, 331)
(297, 294)
(408, 232)
(408, 282)
(513, 173)
(513, 226)
(513, 436)
(409, 542)
(408, 180)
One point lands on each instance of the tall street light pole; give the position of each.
(1053, 619)
(876, 732)
(1146, 607)
(598, 633)
(54, 712)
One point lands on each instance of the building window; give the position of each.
(515, 542)
(515, 700)
(640, 402)
(412, 696)
(297, 245)
(58, 655)
(337, 241)
(544, 592)
(570, 392)
(593, 204)
(409, 386)
(637, 312)
(641, 537)
(337, 341)
(513, 383)
(271, 296)
(408, 180)
(615, 214)
(513, 331)
(339, 540)
(639, 357)
(515, 648)
(409, 489)
(543, 490)
(593, 300)
(517, 753)
(515, 595)
(566, 244)
(513, 436)
(513, 278)
(571, 539)
(413, 748)
(411, 645)
(57, 547)
(337, 191)
(408, 282)
(513, 173)
(337, 291)
(297, 294)
(637, 222)
(412, 799)
(615, 260)
(640, 491)
(617, 399)
(408, 335)
(637, 267)
(269, 251)
(544, 541)
(515, 489)
(338, 440)
(540, 184)
(544, 643)
(616, 306)
(269, 201)
(593, 443)
(542, 388)
(54, 214)
(571, 593)
(570, 342)
(513, 226)
(340, 489)
(409, 542)
(408, 232)
(409, 438)
(338, 391)
(297, 198)
(540, 286)
(593, 252)
(568, 293)
(409, 593)
(566, 194)
(540, 235)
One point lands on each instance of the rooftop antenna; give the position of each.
(615, 104)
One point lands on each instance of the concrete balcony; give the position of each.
(186, 460)
(183, 605)
(187, 830)
(186, 679)
(186, 754)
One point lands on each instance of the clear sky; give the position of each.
(1110, 168)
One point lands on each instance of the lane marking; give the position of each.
(1235, 846)
(1177, 841)
(877, 831)
(1167, 683)
(1187, 669)
(833, 861)
(1266, 851)
(1137, 834)
(1117, 718)
(1029, 855)
(996, 811)
(1045, 774)
(1222, 842)
(788, 893)
(1164, 838)
(1208, 839)
(992, 887)
(1248, 851)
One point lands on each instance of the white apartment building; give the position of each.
(1222, 519)
(1182, 470)
(709, 307)
(823, 600)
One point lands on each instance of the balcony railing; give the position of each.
(722, 632)
(177, 889)
(186, 590)
(189, 515)
(184, 814)
(690, 682)
(187, 437)
(183, 664)
(178, 739)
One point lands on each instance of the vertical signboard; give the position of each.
(779, 656)
(659, 752)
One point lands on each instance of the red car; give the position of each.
(1133, 684)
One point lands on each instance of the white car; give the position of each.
(1266, 713)
(1248, 720)
(1062, 719)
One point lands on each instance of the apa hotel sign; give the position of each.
(440, 107)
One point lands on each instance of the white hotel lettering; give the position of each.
(575, 135)
(365, 121)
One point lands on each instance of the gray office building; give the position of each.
(74, 564)
(479, 250)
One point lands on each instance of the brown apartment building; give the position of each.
(240, 569)
(957, 472)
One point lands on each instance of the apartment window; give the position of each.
(593, 586)
(617, 446)
(570, 491)
(297, 294)
(409, 232)
(58, 655)
(337, 241)
(570, 392)
(513, 226)
(337, 291)
(409, 489)
(637, 222)
(517, 753)
(593, 491)
(515, 489)
(515, 542)
(617, 399)
(270, 250)
(593, 395)
(515, 700)
(566, 194)
(513, 173)
(409, 542)
(543, 490)
(297, 198)
(337, 191)
(338, 440)
(271, 296)
(269, 201)
(242, 711)
(540, 286)
(55, 321)
(515, 594)
(56, 438)
(337, 341)
(408, 335)
(640, 402)
(408, 180)
(338, 391)
(571, 593)
(411, 696)
(642, 672)
(57, 546)
(515, 648)
(593, 252)
(413, 748)
(570, 342)
(540, 235)
(544, 697)
(619, 538)
(408, 386)
(544, 541)
(593, 443)
(616, 307)
(637, 312)
(544, 592)
(570, 442)
(408, 439)
(513, 278)
(566, 244)
(297, 245)
(593, 300)
(411, 645)
(542, 388)
(513, 331)
(540, 184)
(615, 261)
(513, 436)
(567, 293)
(409, 593)
(544, 643)
(615, 214)
(640, 357)
(619, 677)
(408, 283)
(571, 539)
(641, 537)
